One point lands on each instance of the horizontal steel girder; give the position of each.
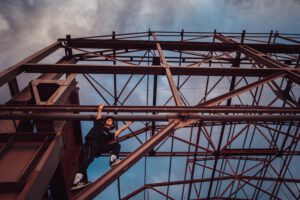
(170, 183)
(13, 71)
(167, 117)
(156, 109)
(151, 70)
(222, 154)
(178, 45)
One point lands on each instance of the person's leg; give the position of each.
(90, 150)
(114, 148)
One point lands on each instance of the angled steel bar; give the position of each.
(233, 93)
(190, 143)
(176, 96)
(165, 195)
(193, 166)
(173, 183)
(241, 90)
(187, 162)
(279, 131)
(235, 63)
(208, 137)
(287, 38)
(260, 189)
(235, 136)
(286, 185)
(286, 162)
(216, 159)
(262, 58)
(100, 184)
(96, 89)
(221, 198)
(24, 95)
(131, 135)
(207, 167)
(15, 70)
(43, 170)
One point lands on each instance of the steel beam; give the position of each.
(261, 58)
(175, 93)
(180, 182)
(287, 38)
(205, 59)
(38, 155)
(227, 153)
(219, 99)
(241, 90)
(24, 96)
(161, 184)
(153, 109)
(40, 177)
(151, 70)
(218, 118)
(13, 71)
(177, 45)
(109, 177)
(13, 87)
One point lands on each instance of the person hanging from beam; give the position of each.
(96, 143)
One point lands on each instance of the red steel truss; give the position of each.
(232, 100)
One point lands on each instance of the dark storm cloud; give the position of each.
(28, 25)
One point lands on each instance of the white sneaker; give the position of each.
(115, 162)
(81, 184)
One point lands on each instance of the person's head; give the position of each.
(109, 122)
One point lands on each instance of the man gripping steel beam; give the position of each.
(96, 143)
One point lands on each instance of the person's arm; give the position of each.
(123, 128)
(99, 113)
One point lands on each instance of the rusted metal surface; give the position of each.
(175, 45)
(155, 109)
(15, 70)
(27, 163)
(176, 96)
(150, 70)
(220, 129)
(204, 118)
(64, 92)
(135, 156)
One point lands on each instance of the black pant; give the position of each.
(93, 149)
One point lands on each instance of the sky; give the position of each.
(29, 25)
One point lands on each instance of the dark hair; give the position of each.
(113, 124)
(109, 117)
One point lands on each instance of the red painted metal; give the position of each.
(135, 156)
(249, 96)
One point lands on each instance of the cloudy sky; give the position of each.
(29, 25)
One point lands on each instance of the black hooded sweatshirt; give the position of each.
(100, 133)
